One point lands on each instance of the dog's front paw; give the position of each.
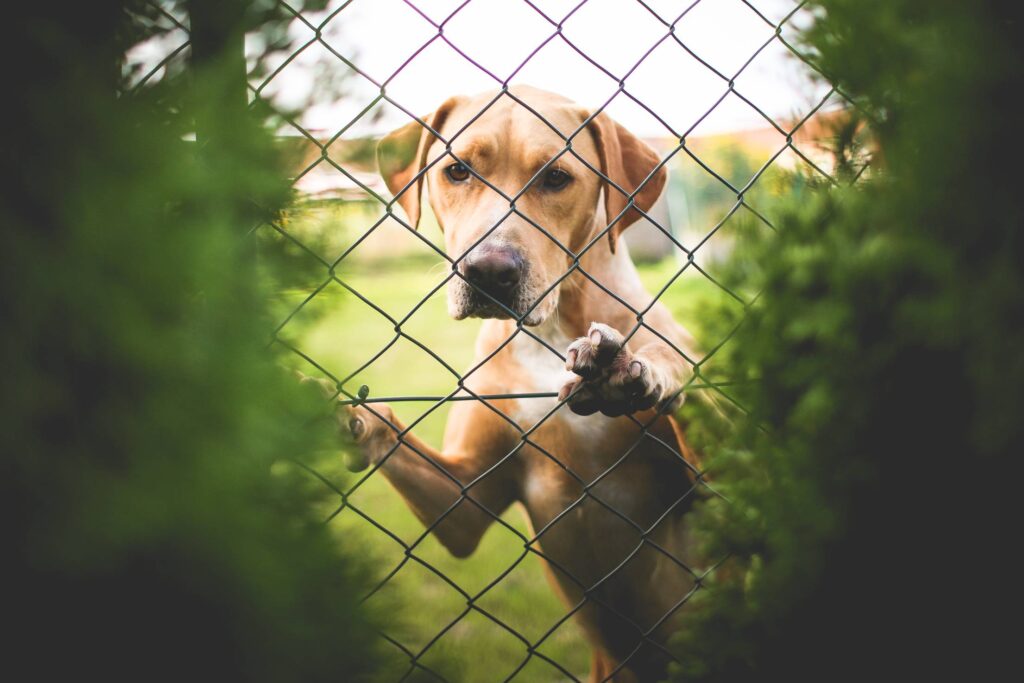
(610, 379)
(371, 432)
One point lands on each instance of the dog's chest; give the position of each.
(539, 370)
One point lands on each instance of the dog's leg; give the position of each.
(601, 667)
(440, 485)
(616, 381)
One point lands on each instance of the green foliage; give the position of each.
(888, 385)
(155, 526)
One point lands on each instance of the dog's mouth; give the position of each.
(488, 309)
(464, 301)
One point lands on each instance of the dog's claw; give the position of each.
(356, 426)
(636, 368)
(610, 379)
(568, 388)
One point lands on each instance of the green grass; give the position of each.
(341, 333)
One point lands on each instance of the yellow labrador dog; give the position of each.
(607, 500)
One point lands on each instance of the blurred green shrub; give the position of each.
(154, 527)
(868, 526)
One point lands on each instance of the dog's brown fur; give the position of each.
(626, 580)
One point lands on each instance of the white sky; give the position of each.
(379, 35)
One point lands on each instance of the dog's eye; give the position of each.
(556, 179)
(457, 172)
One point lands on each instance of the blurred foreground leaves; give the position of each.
(153, 527)
(868, 526)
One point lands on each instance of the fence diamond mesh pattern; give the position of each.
(314, 29)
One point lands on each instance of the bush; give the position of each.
(153, 526)
(867, 522)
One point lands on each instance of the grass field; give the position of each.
(341, 333)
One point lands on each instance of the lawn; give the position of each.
(342, 333)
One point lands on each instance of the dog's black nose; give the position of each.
(495, 270)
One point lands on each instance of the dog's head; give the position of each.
(509, 255)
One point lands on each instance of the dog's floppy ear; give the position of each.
(402, 154)
(626, 160)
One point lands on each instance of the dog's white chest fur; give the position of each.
(544, 372)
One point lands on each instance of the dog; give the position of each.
(606, 499)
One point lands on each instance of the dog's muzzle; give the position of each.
(494, 275)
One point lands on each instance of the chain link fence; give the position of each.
(312, 27)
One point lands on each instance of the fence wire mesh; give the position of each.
(313, 27)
